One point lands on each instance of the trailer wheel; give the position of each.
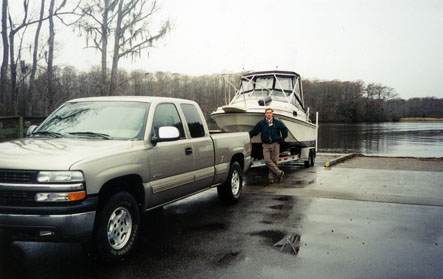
(230, 191)
(117, 227)
(311, 159)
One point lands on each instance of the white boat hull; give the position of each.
(301, 133)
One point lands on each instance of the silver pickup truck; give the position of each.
(95, 164)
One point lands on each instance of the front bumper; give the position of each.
(51, 223)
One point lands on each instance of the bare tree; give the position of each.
(51, 41)
(35, 54)
(127, 23)
(8, 39)
(4, 67)
(96, 20)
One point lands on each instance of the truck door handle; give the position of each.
(188, 150)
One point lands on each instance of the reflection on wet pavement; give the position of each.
(316, 229)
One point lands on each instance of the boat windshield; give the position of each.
(260, 87)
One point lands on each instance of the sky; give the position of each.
(398, 43)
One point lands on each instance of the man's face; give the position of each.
(268, 114)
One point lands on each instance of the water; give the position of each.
(411, 139)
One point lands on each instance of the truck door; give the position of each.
(171, 163)
(202, 147)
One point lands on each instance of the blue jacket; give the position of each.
(270, 134)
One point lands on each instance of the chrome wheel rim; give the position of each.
(235, 182)
(119, 228)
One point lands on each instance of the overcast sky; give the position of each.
(398, 43)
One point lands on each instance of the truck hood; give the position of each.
(55, 154)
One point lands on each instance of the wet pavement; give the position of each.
(349, 221)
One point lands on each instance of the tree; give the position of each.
(9, 48)
(4, 67)
(35, 55)
(127, 23)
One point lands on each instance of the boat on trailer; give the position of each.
(282, 91)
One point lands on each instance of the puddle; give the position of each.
(278, 216)
(272, 235)
(297, 183)
(282, 207)
(228, 258)
(284, 198)
(210, 227)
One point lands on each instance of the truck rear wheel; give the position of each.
(230, 191)
(117, 227)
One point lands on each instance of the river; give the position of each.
(410, 139)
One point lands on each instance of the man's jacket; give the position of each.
(270, 133)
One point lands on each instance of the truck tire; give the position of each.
(230, 191)
(5, 243)
(117, 228)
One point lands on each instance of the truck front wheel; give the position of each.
(117, 227)
(230, 191)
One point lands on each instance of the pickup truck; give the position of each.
(90, 170)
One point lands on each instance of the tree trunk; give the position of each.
(13, 65)
(51, 56)
(104, 50)
(116, 52)
(34, 58)
(4, 67)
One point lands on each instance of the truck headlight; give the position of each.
(61, 186)
(60, 197)
(60, 176)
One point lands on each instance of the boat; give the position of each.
(281, 91)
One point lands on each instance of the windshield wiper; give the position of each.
(91, 134)
(48, 133)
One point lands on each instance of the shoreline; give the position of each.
(420, 119)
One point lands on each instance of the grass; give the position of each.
(421, 119)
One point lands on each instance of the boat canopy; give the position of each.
(279, 85)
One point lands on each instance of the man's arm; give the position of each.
(284, 130)
(255, 130)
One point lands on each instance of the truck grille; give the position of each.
(12, 176)
(16, 197)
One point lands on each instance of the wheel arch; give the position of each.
(240, 159)
(131, 183)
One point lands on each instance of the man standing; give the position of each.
(273, 131)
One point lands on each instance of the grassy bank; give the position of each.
(421, 119)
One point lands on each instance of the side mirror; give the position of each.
(30, 130)
(166, 133)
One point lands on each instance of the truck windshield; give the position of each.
(104, 120)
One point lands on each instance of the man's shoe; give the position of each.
(280, 177)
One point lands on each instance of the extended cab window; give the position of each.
(167, 115)
(194, 120)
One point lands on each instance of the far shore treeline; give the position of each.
(342, 101)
